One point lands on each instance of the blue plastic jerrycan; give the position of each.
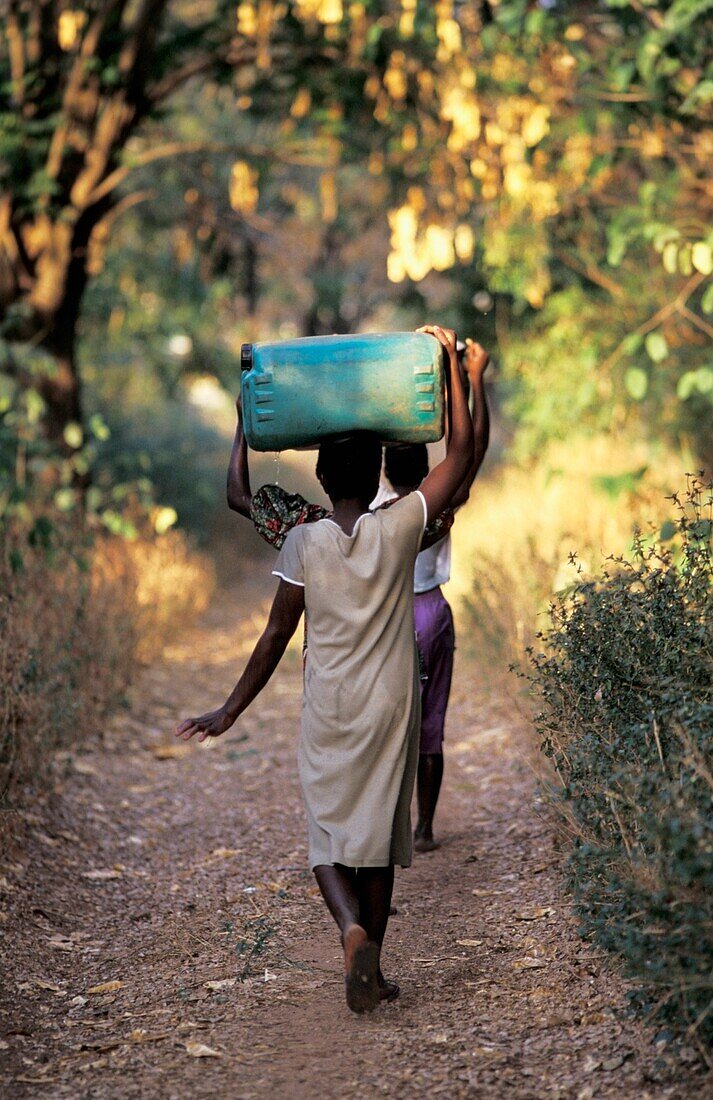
(295, 393)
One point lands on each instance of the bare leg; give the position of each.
(430, 774)
(374, 888)
(338, 885)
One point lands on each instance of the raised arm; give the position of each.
(239, 493)
(287, 607)
(476, 361)
(440, 486)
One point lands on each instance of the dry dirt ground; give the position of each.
(162, 936)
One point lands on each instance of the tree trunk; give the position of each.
(61, 389)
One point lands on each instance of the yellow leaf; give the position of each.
(395, 268)
(69, 27)
(464, 243)
(172, 751)
(536, 125)
(247, 20)
(702, 257)
(469, 943)
(41, 984)
(163, 519)
(242, 189)
(223, 983)
(106, 987)
(200, 1050)
(328, 196)
(439, 241)
(301, 103)
(529, 964)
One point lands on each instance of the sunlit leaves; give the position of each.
(702, 257)
(692, 382)
(73, 435)
(656, 347)
(243, 189)
(460, 108)
(163, 519)
(636, 381)
(325, 11)
(69, 28)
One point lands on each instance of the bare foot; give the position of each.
(361, 967)
(353, 936)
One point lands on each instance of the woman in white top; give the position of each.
(406, 466)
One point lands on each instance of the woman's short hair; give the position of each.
(349, 468)
(406, 464)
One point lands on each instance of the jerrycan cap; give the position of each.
(246, 356)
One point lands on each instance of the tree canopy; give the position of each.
(547, 157)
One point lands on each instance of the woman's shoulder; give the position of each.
(402, 509)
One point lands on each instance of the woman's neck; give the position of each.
(347, 511)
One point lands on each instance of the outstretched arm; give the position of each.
(476, 361)
(441, 484)
(239, 494)
(287, 607)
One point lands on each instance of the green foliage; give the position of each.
(42, 493)
(164, 447)
(624, 675)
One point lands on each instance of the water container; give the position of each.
(296, 393)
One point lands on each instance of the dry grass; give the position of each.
(72, 628)
(513, 541)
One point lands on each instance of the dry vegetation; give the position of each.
(72, 628)
(514, 540)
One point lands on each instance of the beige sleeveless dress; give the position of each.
(358, 748)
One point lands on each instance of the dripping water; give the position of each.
(276, 457)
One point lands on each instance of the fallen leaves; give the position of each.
(141, 1035)
(106, 987)
(222, 983)
(171, 750)
(528, 963)
(470, 943)
(105, 874)
(62, 943)
(83, 767)
(200, 1050)
(536, 914)
(50, 986)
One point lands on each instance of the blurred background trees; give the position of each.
(180, 176)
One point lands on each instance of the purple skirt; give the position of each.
(436, 643)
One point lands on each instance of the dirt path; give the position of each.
(180, 872)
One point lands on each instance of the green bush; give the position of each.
(624, 676)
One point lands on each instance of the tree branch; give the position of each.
(173, 80)
(654, 17)
(590, 272)
(16, 50)
(176, 148)
(677, 305)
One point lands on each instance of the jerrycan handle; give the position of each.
(246, 357)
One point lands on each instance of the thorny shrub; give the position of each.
(75, 618)
(624, 677)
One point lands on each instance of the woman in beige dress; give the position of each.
(352, 575)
